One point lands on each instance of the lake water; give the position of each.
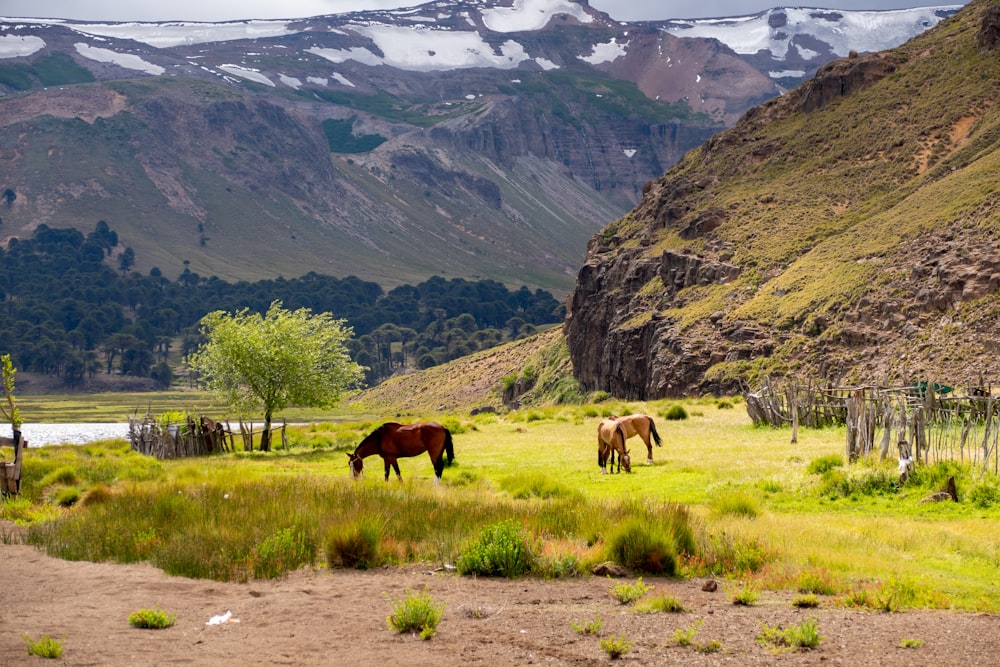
(39, 435)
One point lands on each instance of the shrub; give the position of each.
(675, 412)
(501, 550)
(96, 495)
(724, 553)
(592, 628)
(825, 463)
(616, 646)
(809, 601)
(660, 603)
(155, 619)
(685, 636)
(910, 643)
(805, 635)
(417, 612)
(736, 503)
(629, 593)
(354, 545)
(745, 596)
(66, 496)
(815, 581)
(536, 485)
(46, 647)
(985, 494)
(638, 545)
(286, 550)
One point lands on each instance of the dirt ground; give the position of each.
(322, 617)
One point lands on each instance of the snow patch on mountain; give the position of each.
(775, 30)
(14, 46)
(526, 15)
(606, 53)
(126, 60)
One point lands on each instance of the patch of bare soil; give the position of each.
(321, 617)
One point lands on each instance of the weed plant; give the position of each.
(663, 603)
(155, 619)
(283, 551)
(45, 647)
(616, 646)
(685, 636)
(910, 643)
(746, 595)
(591, 628)
(501, 550)
(627, 593)
(809, 601)
(803, 636)
(416, 612)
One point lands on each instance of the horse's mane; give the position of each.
(376, 435)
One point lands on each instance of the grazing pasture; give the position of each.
(724, 499)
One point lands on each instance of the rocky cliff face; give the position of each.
(843, 232)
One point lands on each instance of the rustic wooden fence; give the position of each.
(925, 421)
(10, 471)
(200, 437)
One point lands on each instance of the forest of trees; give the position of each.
(72, 306)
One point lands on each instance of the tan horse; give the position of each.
(392, 441)
(611, 439)
(643, 426)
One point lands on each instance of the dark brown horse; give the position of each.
(611, 439)
(393, 441)
(643, 426)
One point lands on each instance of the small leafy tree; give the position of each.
(285, 358)
(8, 409)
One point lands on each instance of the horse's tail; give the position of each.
(621, 432)
(449, 446)
(656, 436)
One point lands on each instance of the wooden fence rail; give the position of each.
(10, 471)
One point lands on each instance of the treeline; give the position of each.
(72, 306)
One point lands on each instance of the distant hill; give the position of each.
(847, 231)
(461, 139)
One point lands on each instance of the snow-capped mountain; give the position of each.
(508, 131)
(791, 42)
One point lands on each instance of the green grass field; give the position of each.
(757, 507)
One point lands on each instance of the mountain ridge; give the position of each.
(262, 148)
(845, 232)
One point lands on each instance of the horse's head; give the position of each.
(356, 464)
(626, 461)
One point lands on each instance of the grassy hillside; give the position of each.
(855, 219)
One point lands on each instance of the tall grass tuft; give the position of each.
(735, 503)
(45, 647)
(354, 544)
(536, 485)
(417, 612)
(648, 546)
(281, 552)
(501, 550)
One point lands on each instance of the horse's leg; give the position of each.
(649, 449)
(438, 466)
(395, 466)
(387, 466)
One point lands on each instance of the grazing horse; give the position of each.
(611, 439)
(392, 441)
(643, 426)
